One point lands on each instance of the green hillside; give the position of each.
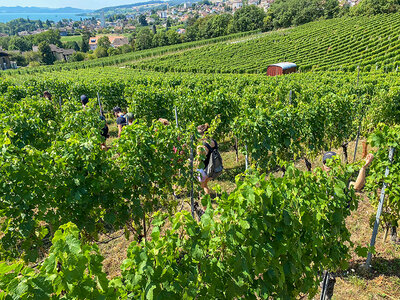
(371, 42)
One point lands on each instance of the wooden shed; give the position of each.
(281, 68)
(4, 61)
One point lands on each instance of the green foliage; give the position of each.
(266, 242)
(336, 44)
(384, 138)
(77, 56)
(248, 18)
(144, 39)
(104, 42)
(19, 43)
(46, 55)
(374, 7)
(142, 20)
(72, 45)
(153, 161)
(72, 270)
(285, 13)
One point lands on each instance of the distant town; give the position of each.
(115, 31)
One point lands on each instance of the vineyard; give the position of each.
(340, 44)
(272, 234)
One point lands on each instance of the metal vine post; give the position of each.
(379, 211)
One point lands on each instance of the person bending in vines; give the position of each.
(359, 184)
(84, 101)
(203, 151)
(121, 119)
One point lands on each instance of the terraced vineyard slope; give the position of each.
(337, 44)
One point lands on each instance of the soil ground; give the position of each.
(382, 281)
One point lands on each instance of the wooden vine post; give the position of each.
(379, 211)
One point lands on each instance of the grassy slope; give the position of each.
(72, 38)
(323, 45)
(383, 282)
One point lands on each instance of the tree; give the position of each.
(374, 7)
(100, 52)
(85, 42)
(219, 25)
(169, 22)
(142, 20)
(104, 41)
(19, 59)
(144, 39)
(32, 56)
(71, 45)
(77, 56)
(125, 48)
(19, 43)
(50, 37)
(46, 56)
(160, 39)
(173, 37)
(331, 9)
(248, 18)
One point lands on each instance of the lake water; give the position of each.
(6, 17)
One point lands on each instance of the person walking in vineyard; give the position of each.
(359, 184)
(210, 161)
(121, 119)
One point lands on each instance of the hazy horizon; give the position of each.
(87, 4)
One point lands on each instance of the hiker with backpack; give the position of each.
(121, 119)
(211, 167)
(129, 118)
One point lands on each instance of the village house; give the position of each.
(59, 53)
(116, 41)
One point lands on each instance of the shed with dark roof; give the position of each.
(281, 68)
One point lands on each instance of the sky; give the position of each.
(86, 4)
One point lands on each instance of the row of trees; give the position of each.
(245, 19)
(286, 13)
(14, 26)
(25, 43)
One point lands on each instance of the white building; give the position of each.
(237, 5)
(162, 14)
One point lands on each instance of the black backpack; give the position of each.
(215, 166)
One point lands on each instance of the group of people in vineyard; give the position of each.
(209, 163)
